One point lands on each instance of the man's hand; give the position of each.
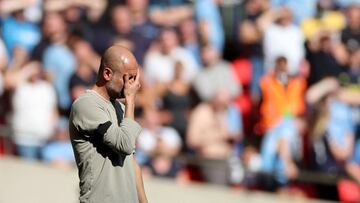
(131, 87)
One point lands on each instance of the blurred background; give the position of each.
(245, 97)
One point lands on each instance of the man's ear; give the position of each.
(107, 74)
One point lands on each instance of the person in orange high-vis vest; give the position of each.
(281, 95)
(282, 103)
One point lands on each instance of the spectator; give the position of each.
(213, 125)
(158, 146)
(84, 76)
(327, 18)
(350, 35)
(159, 65)
(169, 13)
(248, 66)
(81, 16)
(215, 76)
(144, 29)
(121, 27)
(33, 126)
(214, 133)
(20, 36)
(58, 152)
(54, 29)
(283, 103)
(250, 46)
(176, 102)
(333, 129)
(340, 131)
(210, 25)
(326, 56)
(189, 38)
(283, 38)
(59, 61)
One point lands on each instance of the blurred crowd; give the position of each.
(238, 92)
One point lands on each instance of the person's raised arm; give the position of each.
(8, 6)
(96, 8)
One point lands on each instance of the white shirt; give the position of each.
(284, 41)
(32, 120)
(160, 68)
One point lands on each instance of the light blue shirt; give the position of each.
(208, 11)
(234, 120)
(60, 62)
(356, 155)
(340, 122)
(301, 9)
(58, 151)
(19, 33)
(345, 3)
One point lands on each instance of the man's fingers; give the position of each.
(126, 78)
(137, 79)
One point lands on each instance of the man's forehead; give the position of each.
(132, 71)
(131, 68)
(130, 65)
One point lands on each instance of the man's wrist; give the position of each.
(129, 100)
(129, 107)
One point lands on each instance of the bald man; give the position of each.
(103, 133)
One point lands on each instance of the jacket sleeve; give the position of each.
(93, 120)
